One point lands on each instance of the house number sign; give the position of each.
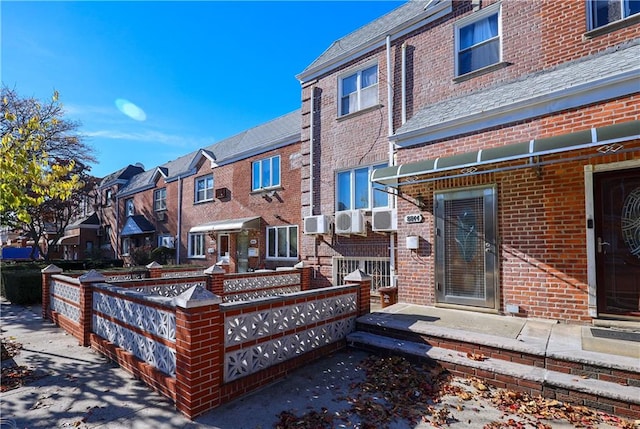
(413, 218)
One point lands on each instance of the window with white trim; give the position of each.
(265, 173)
(204, 189)
(129, 207)
(197, 245)
(160, 199)
(126, 246)
(108, 197)
(359, 90)
(354, 190)
(282, 242)
(604, 12)
(478, 40)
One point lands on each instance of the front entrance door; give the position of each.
(466, 251)
(243, 251)
(617, 239)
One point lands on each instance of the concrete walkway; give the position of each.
(75, 387)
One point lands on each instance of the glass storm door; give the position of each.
(617, 239)
(465, 251)
(243, 251)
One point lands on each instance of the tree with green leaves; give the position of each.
(43, 164)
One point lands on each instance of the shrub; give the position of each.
(22, 284)
(163, 255)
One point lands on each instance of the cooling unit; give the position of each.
(168, 241)
(384, 220)
(320, 224)
(350, 222)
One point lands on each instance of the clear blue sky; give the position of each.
(198, 72)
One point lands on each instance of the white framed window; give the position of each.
(129, 207)
(160, 199)
(265, 173)
(108, 195)
(354, 190)
(478, 39)
(126, 246)
(604, 12)
(197, 245)
(204, 188)
(359, 90)
(282, 242)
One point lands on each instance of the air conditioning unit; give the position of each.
(161, 215)
(320, 224)
(384, 220)
(350, 222)
(222, 193)
(168, 241)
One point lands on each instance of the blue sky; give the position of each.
(193, 73)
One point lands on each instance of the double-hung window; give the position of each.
(196, 245)
(204, 188)
(359, 90)
(354, 190)
(160, 199)
(265, 173)
(282, 242)
(130, 208)
(603, 12)
(478, 40)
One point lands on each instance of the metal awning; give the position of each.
(137, 225)
(229, 225)
(69, 240)
(609, 135)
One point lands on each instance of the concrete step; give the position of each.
(611, 397)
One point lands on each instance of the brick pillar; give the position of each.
(155, 270)
(199, 352)
(215, 279)
(305, 275)
(47, 272)
(364, 292)
(86, 304)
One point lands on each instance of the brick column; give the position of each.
(199, 352)
(364, 292)
(155, 270)
(215, 279)
(47, 272)
(305, 275)
(86, 304)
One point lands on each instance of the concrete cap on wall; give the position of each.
(51, 269)
(92, 277)
(196, 296)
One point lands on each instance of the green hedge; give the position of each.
(21, 284)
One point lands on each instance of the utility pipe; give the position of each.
(403, 102)
(179, 231)
(392, 236)
(311, 160)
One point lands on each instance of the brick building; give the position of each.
(235, 203)
(481, 155)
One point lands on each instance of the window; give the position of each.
(379, 269)
(282, 242)
(354, 190)
(204, 189)
(265, 173)
(160, 199)
(126, 246)
(107, 234)
(196, 245)
(108, 195)
(478, 40)
(603, 12)
(359, 90)
(130, 209)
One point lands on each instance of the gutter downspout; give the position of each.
(179, 232)
(311, 160)
(404, 83)
(118, 237)
(392, 236)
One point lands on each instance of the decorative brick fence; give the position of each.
(206, 338)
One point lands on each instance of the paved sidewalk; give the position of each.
(75, 387)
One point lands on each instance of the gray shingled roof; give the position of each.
(390, 23)
(282, 130)
(613, 62)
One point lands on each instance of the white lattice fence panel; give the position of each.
(63, 290)
(150, 319)
(146, 349)
(169, 290)
(260, 282)
(180, 274)
(261, 293)
(242, 362)
(251, 326)
(67, 310)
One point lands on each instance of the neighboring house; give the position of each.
(81, 240)
(508, 137)
(235, 203)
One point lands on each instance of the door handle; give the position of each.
(601, 244)
(487, 247)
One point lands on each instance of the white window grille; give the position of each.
(378, 268)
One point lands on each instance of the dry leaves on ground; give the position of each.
(10, 347)
(14, 377)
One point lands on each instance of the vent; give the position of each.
(320, 224)
(350, 222)
(384, 220)
(168, 241)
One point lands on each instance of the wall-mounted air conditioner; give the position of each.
(168, 241)
(161, 215)
(350, 222)
(384, 220)
(320, 224)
